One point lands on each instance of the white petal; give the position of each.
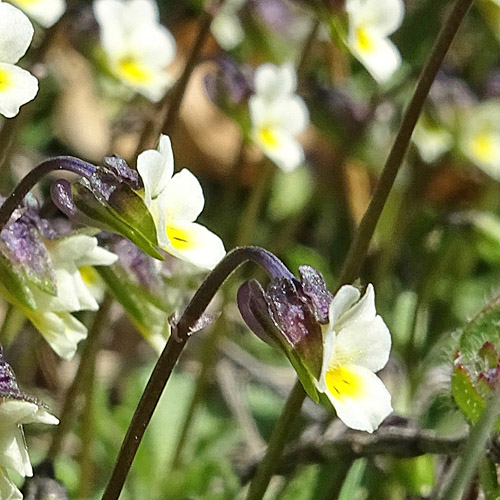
(363, 310)
(182, 200)
(13, 451)
(13, 411)
(272, 81)
(42, 416)
(363, 343)
(17, 87)
(8, 490)
(97, 257)
(61, 330)
(343, 300)
(156, 168)
(113, 34)
(377, 54)
(44, 12)
(195, 244)
(153, 45)
(383, 16)
(16, 33)
(70, 248)
(140, 12)
(362, 403)
(227, 30)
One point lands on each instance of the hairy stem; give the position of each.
(359, 247)
(175, 345)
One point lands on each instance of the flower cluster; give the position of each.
(137, 47)
(16, 409)
(17, 86)
(278, 115)
(336, 344)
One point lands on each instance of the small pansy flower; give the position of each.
(278, 115)
(370, 24)
(16, 409)
(336, 344)
(137, 47)
(44, 12)
(175, 202)
(17, 86)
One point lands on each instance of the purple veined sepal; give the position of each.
(107, 199)
(290, 315)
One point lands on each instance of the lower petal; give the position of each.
(17, 87)
(359, 397)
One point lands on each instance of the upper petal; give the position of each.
(182, 199)
(153, 45)
(272, 81)
(359, 397)
(383, 16)
(342, 302)
(362, 310)
(44, 12)
(16, 32)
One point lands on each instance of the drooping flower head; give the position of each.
(16, 409)
(17, 86)
(278, 115)
(137, 47)
(44, 12)
(370, 24)
(175, 202)
(336, 344)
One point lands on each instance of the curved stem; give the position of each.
(359, 247)
(68, 163)
(175, 345)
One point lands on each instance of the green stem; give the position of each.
(280, 434)
(473, 451)
(13, 322)
(359, 247)
(85, 368)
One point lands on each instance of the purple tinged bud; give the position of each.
(119, 166)
(314, 287)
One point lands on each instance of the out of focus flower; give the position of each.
(432, 141)
(16, 409)
(175, 202)
(336, 344)
(226, 26)
(44, 12)
(278, 115)
(17, 86)
(370, 24)
(480, 137)
(137, 47)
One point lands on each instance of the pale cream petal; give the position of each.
(8, 490)
(383, 16)
(272, 81)
(17, 87)
(153, 45)
(359, 397)
(343, 300)
(44, 12)
(195, 244)
(13, 451)
(70, 248)
(41, 416)
(16, 32)
(362, 310)
(289, 113)
(99, 256)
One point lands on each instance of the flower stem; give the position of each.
(85, 367)
(473, 450)
(359, 247)
(276, 444)
(181, 332)
(68, 163)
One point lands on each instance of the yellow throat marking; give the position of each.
(134, 71)
(364, 40)
(5, 80)
(180, 238)
(483, 146)
(342, 383)
(267, 137)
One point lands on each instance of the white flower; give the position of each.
(278, 115)
(137, 46)
(356, 345)
(17, 86)
(432, 141)
(13, 451)
(480, 137)
(175, 202)
(44, 12)
(226, 26)
(370, 24)
(8, 490)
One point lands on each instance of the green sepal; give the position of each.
(13, 285)
(124, 214)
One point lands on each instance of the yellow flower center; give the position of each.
(343, 383)
(134, 71)
(483, 147)
(180, 238)
(89, 275)
(267, 137)
(364, 40)
(5, 80)
(26, 3)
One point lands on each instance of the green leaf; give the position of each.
(133, 221)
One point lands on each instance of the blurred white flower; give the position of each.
(480, 137)
(357, 344)
(432, 141)
(17, 86)
(226, 26)
(370, 24)
(138, 48)
(278, 115)
(175, 202)
(8, 490)
(44, 12)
